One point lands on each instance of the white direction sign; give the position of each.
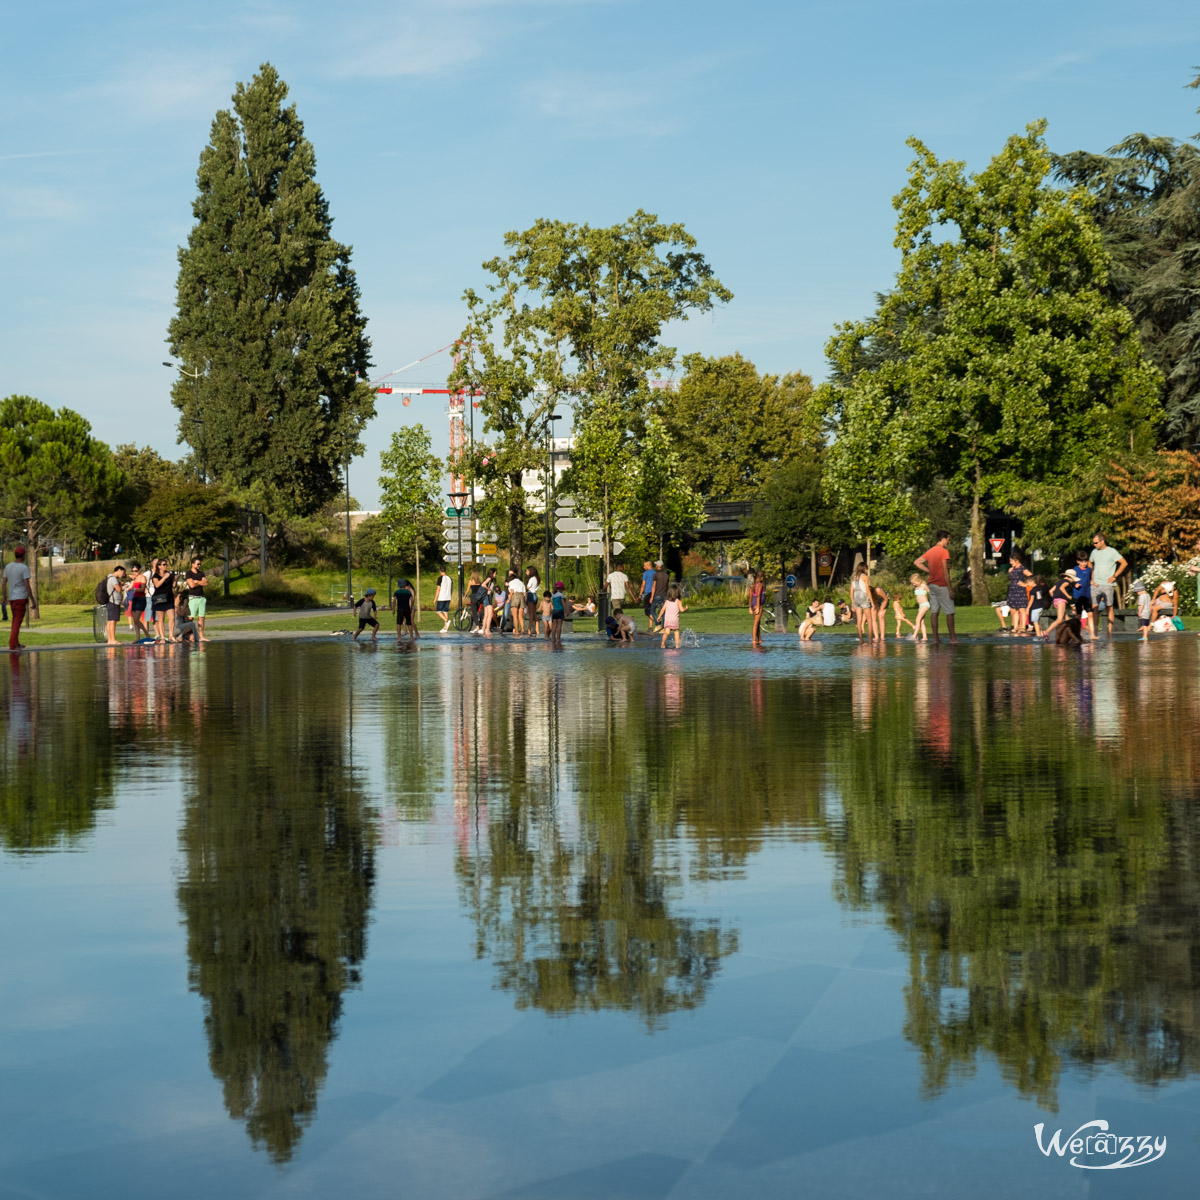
(458, 558)
(573, 552)
(488, 558)
(574, 524)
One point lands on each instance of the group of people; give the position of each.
(1074, 603)
(519, 605)
(160, 605)
(512, 606)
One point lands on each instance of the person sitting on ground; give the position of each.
(845, 614)
(365, 611)
(1070, 632)
(1166, 596)
(588, 606)
(186, 628)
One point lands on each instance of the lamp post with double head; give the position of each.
(194, 376)
(550, 419)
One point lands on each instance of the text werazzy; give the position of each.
(1093, 1148)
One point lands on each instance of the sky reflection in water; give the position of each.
(490, 920)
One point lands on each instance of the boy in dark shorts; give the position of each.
(1082, 594)
(365, 609)
(402, 602)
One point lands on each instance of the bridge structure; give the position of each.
(724, 520)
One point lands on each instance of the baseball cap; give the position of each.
(369, 592)
(19, 551)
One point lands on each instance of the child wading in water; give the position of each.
(901, 619)
(672, 607)
(757, 592)
(401, 605)
(921, 592)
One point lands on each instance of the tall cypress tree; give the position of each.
(268, 313)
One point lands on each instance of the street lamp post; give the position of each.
(194, 376)
(550, 417)
(349, 557)
(458, 499)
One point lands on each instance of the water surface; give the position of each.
(310, 919)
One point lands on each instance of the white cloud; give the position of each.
(646, 102)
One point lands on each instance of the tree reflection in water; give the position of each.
(57, 769)
(279, 848)
(1032, 837)
(567, 860)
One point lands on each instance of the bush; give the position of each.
(273, 591)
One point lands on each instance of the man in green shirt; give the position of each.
(1107, 567)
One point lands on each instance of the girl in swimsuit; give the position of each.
(757, 589)
(921, 592)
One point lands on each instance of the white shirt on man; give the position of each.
(618, 581)
(17, 574)
(445, 584)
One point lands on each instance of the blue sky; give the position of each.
(774, 132)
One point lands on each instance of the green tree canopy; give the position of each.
(268, 313)
(409, 488)
(1146, 201)
(1003, 358)
(54, 476)
(733, 427)
(793, 513)
(587, 309)
(181, 517)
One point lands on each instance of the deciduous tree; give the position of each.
(591, 304)
(733, 427)
(268, 313)
(409, 489)
(1155, 505)
(1005, 356)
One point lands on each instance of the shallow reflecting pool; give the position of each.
(313, 919)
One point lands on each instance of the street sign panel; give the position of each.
(488, 548)
(572, 539)
(574, 524)
(490, 559)
(464, 512)
(790, 581)
(574, 552)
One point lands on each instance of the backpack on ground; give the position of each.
(101, 592)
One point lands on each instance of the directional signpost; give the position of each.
(578, 537)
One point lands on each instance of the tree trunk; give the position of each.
(813, 565)
(607, 539)
(979, 591)
(417, 597)
(516, 524)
